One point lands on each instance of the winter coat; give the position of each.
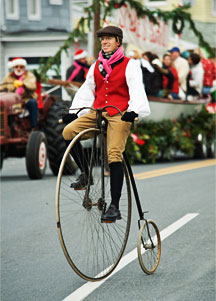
(29, 85)
(196, 77)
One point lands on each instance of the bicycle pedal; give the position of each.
(108, 222)
(80, 188)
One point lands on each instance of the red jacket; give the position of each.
(114, 91)
(209, 72)
(175, 87)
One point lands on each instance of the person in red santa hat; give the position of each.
(116, 80)
(22, 82)
(78, 70)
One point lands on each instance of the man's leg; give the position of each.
(33, 112)
(69, 132)
(117, 134)
(77, 154)
(116, 182)
(79, 157)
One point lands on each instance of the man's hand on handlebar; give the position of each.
(68, 118)
(129, 116)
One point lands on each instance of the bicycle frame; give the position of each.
(101, 127)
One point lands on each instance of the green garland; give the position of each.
(164, 139)
(176, 15)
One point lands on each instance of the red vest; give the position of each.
(114, 91)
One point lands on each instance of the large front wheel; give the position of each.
(93, 249)
(149, 247)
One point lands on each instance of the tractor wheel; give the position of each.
(36, 155)
(56, 144)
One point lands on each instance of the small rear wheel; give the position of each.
(36, 155)
(149, 247)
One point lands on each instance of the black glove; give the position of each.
(68, 118)
(129, 116)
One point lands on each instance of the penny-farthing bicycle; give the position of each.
(92, 248)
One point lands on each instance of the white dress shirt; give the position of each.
(138, 101)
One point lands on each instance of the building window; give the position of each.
(156, 3)
(12, 9)
(34, 10)
(214, 7)
(56, 2)
(191, 2)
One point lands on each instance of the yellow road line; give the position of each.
(174, 169)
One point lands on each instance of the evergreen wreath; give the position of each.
(175, 24)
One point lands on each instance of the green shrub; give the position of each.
(153, 141)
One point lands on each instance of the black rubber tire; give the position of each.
(56, 144)
(36, 155)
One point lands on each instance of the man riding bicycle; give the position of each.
(114, 80)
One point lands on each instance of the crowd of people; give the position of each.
(175, 76)
(187, 76)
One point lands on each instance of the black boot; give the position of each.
(116, 183)
(81, 182)
(78, 155)
(111, 215)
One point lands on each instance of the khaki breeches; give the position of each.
(117, 132)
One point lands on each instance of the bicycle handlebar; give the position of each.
(99, 109)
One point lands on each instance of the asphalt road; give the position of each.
(33, 266)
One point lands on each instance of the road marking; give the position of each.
(174, 169)
(89, 287)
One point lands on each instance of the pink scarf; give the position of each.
(107, 63)
(76, 71)
(20, 90)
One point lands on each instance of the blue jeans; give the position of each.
(206, 90)
(33, 111)
(174, 95)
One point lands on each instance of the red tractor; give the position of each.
(17, 139)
